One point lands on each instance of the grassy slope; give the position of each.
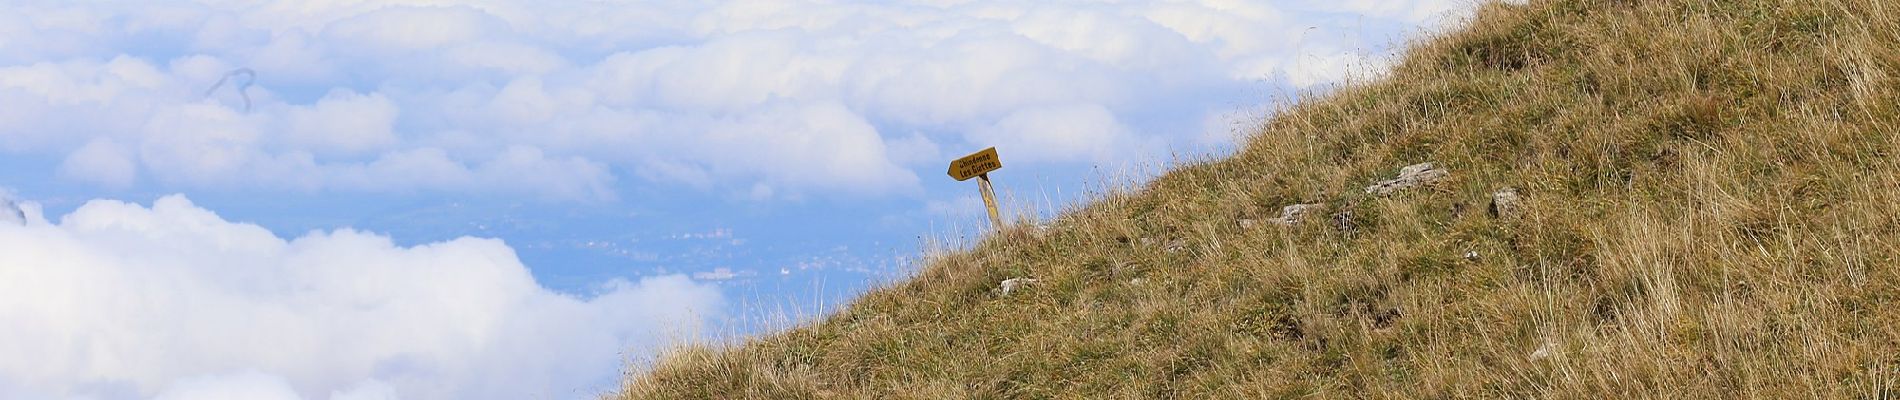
(1710, 211)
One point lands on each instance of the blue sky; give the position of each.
(507, 199)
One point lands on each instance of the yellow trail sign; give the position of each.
(978, 165)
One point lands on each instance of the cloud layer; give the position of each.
(172, 302)
(567, 100)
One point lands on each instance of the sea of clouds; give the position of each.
(558, 101)
(170, 301)
(562, 100)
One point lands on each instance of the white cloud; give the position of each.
(823, 146)
(171, 301)
(660, 91)
(102, 161)
(916, 150)
(343, 122)
(1088, 133)
(398, 29)
(1427, 13)
(202, 144)
(237, 386)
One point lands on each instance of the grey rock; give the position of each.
(1012, 284)
(1247, 223)
(1409, 177)
(1505, 203)
(1292, 214)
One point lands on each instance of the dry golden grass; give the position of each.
(1710, 211)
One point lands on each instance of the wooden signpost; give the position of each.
(978, 165)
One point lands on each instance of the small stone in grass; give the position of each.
(1409, 177)
(1504, 203)
(1292, 214)
(1010, 285)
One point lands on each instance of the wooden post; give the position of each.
(989, 200)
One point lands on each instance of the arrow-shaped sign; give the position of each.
(975, 164)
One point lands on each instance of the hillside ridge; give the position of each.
(1565, 198)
